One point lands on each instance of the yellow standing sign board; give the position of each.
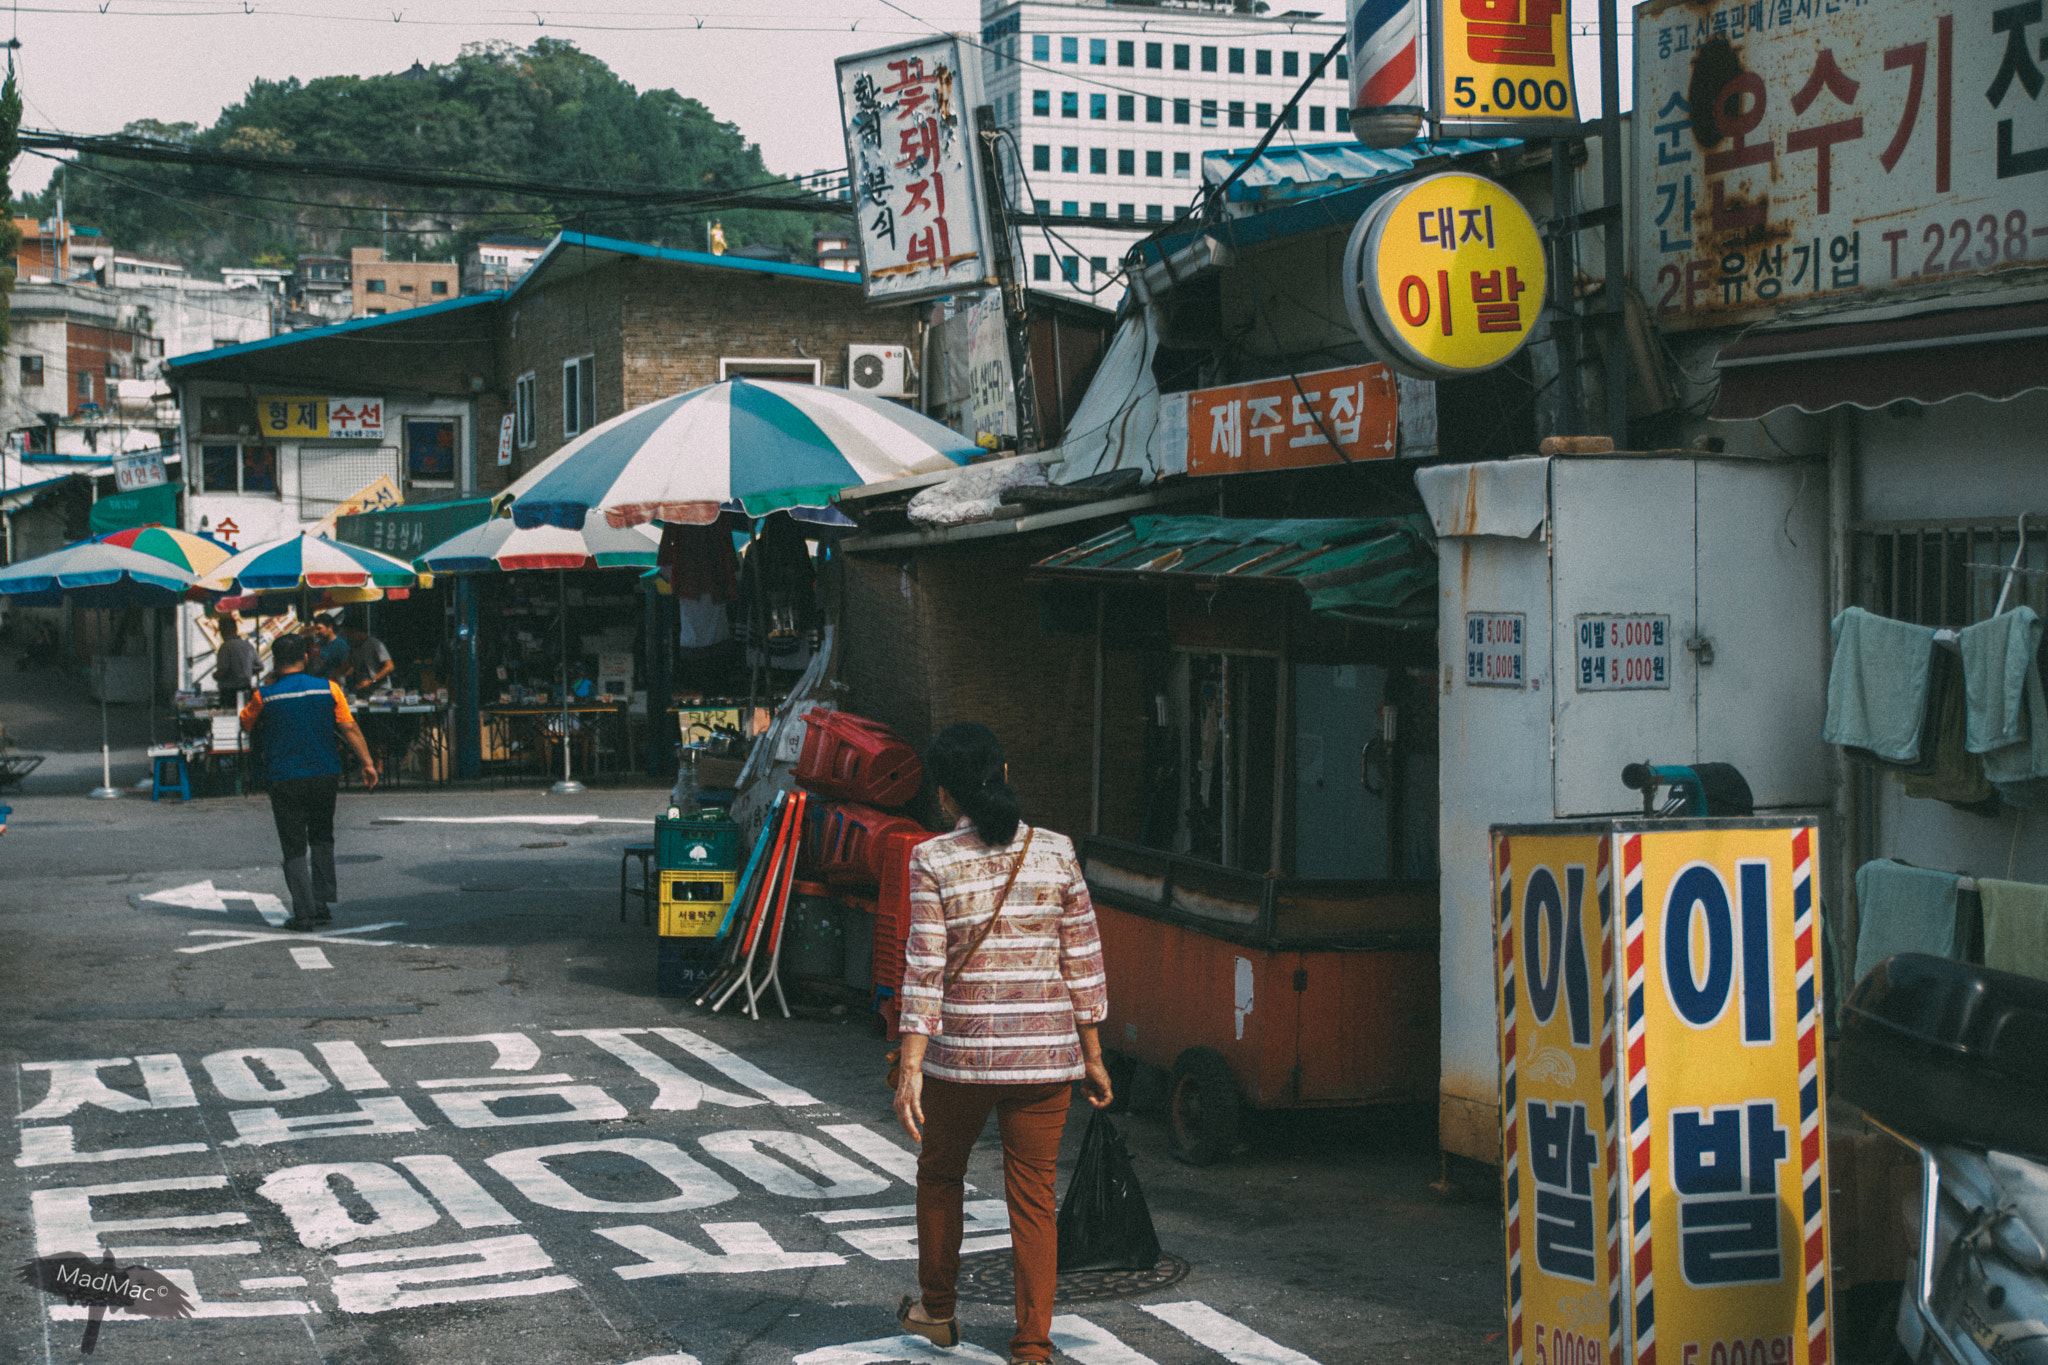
(1663, 1142)
(1503, 67)
(1445, 277)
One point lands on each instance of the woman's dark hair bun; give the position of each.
(967, 760)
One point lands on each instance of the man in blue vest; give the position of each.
(295, 719)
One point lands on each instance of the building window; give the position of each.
(1262, 62)
(525, 411)
(1098, 106)
(579, 394)
(1180, 111)
(32, 371)
(1126, 161)
(1343, 117)
(1126, 54)
(1070, 104)
(1098, 265)
(1155, 163)
(1041, 157)
(373, 286)
(1262, 116)
(374, 312)
(1126, 108)
(1180, 165)
(405, 289)
(1291, 117)
(1153, 55)
(1237, 113)
(1042, 207)
(1208, 59)
(1070, 160)
(1180, 56)
(1208, 113)
(220, 469)
(1180, 211)
(1070, 49)
(1041, 103)
(1041, 48)
(430, 450)
(1154, 213)
(1290, 63)
(113, 368)
(1315, 118)
(440, 286)
(1070, 267)
(1041, 267)
(1098, 209)
(1343, 67)
(1098, 161)
(84, 386)
(1155, 109)
(1070, 208)
(1237, 61)
(1098, 52)
(1127, 212)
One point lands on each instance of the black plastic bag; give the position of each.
(1103, 1221)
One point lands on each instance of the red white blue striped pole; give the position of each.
(1387, 97)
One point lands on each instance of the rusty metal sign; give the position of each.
(1804, 151)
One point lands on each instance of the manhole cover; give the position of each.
(989, 1277)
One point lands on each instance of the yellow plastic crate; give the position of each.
(693, 904)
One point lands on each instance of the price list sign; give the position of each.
(1624, 653)
(1493, 649)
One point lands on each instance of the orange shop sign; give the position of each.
(1286, 423)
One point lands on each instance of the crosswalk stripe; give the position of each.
(1091, 1345)
(1227, 1337)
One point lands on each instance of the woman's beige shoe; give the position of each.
(945, 1333)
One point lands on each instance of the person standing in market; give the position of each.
(328, 655)
(298, 722)
(1003, 989)
(369, 662)
(234, 664)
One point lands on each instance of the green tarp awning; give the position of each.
(409, 531)
(1379, 569)
(157, 506)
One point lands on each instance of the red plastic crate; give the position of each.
(854, 839)
(892, 905)
(852, 758)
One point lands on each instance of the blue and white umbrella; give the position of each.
(765, 445)
(93, 573)
(498, 544)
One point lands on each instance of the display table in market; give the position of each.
(408, 736)
(519, 738)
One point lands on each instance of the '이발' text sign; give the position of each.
(1503, 66)
(1272, 424)
(911, 153)
(1493, 649)
(1795, 150)
(1623, 653)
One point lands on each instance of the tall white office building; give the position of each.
(1112, 105)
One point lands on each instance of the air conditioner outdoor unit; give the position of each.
(883, 371)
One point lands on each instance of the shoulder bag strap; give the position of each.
(953, 973)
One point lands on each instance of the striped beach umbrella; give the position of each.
(765, 445)
(498, 544)
(306, 561)
(93, 574)
(194, 553)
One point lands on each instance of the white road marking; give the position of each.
(75, 1084)
(679, 1358)
(516, 1051)
(275, 1282)
(206, 896)
(906, 1349)
(865, 1141)
(1091, 1345)
(242, 938)
(467, 1202)
(1226, 1336)
(743, 1248)
(675, 1089)
(65, 1222)
(261, 1308)
(351, 1067)
(506, 820)
(736, 1067)
(558, 1078)
(56, 1145)
(311, 960)
(382, 1291)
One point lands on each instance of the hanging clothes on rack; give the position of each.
(778, 596)
(702, 572)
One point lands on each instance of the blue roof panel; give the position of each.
(1286, 173)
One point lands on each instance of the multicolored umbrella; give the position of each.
(94, 574)
(307, 561)
(498, 544)
(196, 554)
(767, 445)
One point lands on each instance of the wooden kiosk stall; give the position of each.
(1262, 853)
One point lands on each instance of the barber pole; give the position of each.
(1386, 71)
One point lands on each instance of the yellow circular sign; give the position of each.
(1445, 277)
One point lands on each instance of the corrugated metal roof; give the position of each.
(1381, 570)
(1286, 173)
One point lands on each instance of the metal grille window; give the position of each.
(525, 423)
(1948, 574)
(328, 475)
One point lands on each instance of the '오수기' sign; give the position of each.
(1445, 277)
(1271, 424)
(1794, 150)
(908, 113)
(1503, 67)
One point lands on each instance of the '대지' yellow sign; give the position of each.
(1445, 277)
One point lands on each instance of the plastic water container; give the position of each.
(851, 843)
(852, 758)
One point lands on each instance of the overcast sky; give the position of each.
(765, 66)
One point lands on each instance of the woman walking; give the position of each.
(1002, 992)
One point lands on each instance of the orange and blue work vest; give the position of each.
(293, 721)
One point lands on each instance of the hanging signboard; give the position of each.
(915, 168)
(1796, 153)
(321, 419)
(988, 374)
(1623, 653)
(1660, 1036)
(1502, 68)
(1272, 424)
(1445, 277)
(1494, 653)
(143, 470)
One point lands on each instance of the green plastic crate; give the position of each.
(687, 845)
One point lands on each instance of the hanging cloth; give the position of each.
(698, 563)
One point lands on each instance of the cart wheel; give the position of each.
(1203, 1107)
(1122, 1073)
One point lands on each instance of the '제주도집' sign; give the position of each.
(912, 157)
(1272, 424)
(1503, 67)
(1664, 1151)
(1797, 150)
(1445, 277)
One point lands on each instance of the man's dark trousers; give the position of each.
(303, 808)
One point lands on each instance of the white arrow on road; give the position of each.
(309, 958)
(205, 896)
